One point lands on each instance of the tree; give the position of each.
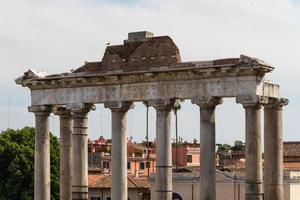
(224, 147)
(238, 143)
(17, 164)
(238, 146)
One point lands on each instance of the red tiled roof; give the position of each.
(104, 181)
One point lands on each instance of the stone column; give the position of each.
(163, 179)
(80, 150)
(66, 152)
(119, 149)
(273, 153)
(42, 152)
(207, 146)
(253, 154)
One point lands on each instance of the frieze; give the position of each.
(228, 87)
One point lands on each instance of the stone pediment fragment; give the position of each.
(31, 74)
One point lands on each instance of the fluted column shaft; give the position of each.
(42, 152)
(253, 154)
(119, 149)
(273, 150)
(207, 146)
(80, 151)
(66, 152)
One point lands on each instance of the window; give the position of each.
(142, 165)
(95, 198)
(105, 165)
(128, 165)
(189, 158)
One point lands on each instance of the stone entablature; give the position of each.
(241, 77)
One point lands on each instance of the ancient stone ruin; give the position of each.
(149, 69)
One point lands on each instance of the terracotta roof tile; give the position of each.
(104, 181)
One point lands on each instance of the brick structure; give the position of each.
(291, 155)
(140, 52)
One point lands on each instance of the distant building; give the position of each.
(100, 187)
(235, 157)
(291, 155)
(137, 160)
(229, 185)
(231, 157)
(188, 155)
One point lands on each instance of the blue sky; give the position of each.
(56, 36)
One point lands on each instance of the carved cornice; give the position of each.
(244, 66)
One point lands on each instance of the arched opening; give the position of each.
(176, 196)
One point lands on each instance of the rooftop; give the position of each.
(104, 181)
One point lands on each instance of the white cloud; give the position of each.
(57, 36)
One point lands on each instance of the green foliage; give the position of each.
(54, 166)
(17, 164)
(238, 146)
(238, 143)
(224, 147)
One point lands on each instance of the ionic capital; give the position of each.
(41, 110)
(207, 102)
(164, 104)
(275, 103)
(80, 109)
(123, 106)
(62, 111)
(255, 102)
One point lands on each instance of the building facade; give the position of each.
(100, 187)
(229, 185)
(138, 162)
(186, 155)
